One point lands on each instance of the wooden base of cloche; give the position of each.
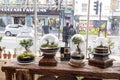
(48, 60)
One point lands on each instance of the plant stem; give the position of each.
(78, 49)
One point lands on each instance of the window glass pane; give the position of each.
(104, 20)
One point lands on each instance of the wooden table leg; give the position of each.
(32, 76)
(23, 74)
(9, 75)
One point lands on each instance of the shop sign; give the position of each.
(21, 10)
(67, 11)
(29, 10)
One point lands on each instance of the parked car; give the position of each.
(15, 29)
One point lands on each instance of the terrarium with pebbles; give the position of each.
(49, 47)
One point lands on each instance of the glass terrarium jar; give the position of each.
(26, 55)
(101, 53)
(101, 45)
(77, 47)
(101, 40)
(49, 46)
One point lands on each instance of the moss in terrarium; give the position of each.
(22, 55)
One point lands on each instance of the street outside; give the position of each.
(12, 42)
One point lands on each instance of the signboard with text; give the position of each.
(29, 11)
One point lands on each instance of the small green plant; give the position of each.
(89, 49)
(1, 38)
(78, 41)
(110, 44)
(26, 43)
(49, 44)
(26, 56)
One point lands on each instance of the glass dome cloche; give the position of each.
(101, 40)
(103, 43)
(27, 55)
(101, 53)
(49, 45)
(77, 46)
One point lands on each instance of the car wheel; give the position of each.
(8, 33)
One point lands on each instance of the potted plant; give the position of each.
(110, 45)
(5, 55)
(9, 55)
(27, 55)
(78, 53)
(49, 47)
(77, 56)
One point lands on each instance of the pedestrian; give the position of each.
(65, 34)
(72, 31)
(45, 29)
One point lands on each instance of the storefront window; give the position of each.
(106, 23)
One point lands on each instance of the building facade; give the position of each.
(49, 12)
(81, 10)
(110, 14)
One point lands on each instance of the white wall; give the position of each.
(105, 7)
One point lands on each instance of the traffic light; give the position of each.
(56, 1)
(96, 6)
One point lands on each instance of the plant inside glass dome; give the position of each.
(27, 55)
(26, 43)
(49, 44)
(77, 41)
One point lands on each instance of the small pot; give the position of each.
(0, 53)
(5, 55)
(9, 55)
(14, 55)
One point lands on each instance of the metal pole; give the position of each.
(100, 19)
(88, 15)
(35, 22)
(59, 9)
